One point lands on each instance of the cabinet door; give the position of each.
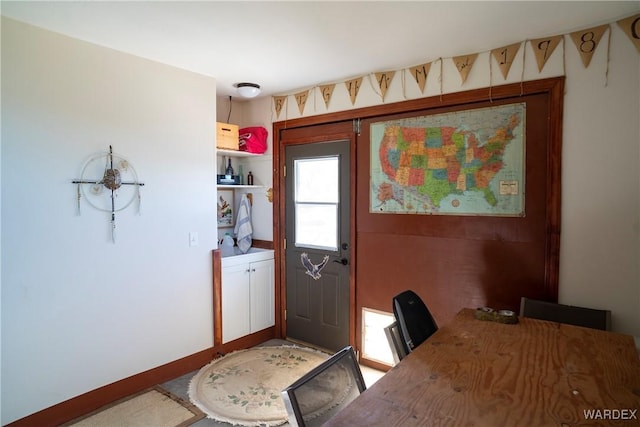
(262, 295)
(236, 317)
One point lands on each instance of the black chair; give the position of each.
(414, 318)
(313, 399)
(395, 341)
(579, 316)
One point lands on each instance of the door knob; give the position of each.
(342, 261)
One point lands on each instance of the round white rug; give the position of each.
(243, 387)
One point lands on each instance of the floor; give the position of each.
(180, 386)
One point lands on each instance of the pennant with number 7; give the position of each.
(543, 48)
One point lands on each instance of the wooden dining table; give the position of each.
(475, 372)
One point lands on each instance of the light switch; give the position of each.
(193, 238)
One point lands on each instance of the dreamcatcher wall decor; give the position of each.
(115, 191)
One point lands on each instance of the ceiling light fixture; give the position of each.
(248, 90)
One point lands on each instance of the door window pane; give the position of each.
(317, 193)
(317, 180)
(317, 226)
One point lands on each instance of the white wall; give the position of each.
(78, 311)
(600, 241)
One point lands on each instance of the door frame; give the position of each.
(345, 131)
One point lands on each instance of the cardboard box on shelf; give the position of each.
(226, 136)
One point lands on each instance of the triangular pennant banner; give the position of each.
(420, 73)
(504, 57)
(464, 64)
(384, 80)
(586, 42)
(631, 27)
(543, 48)
(278, 102)
(327, 93)
(353, 87)
(301, 99)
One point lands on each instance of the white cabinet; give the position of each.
(262, 295)
(236, 316)
(248, 294)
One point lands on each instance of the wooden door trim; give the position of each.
(279, 231)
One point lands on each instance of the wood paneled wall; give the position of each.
(454, 262)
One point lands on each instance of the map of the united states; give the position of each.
(450, 163)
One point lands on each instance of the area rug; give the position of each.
(154, 407)
(243, 387)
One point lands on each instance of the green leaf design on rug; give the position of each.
(224, 373)
(254, 395)
(286, 360)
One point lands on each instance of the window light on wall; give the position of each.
(374, 341)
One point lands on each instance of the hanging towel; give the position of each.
(243, 228)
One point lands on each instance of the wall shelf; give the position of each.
(235, 153)
(233, 186)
